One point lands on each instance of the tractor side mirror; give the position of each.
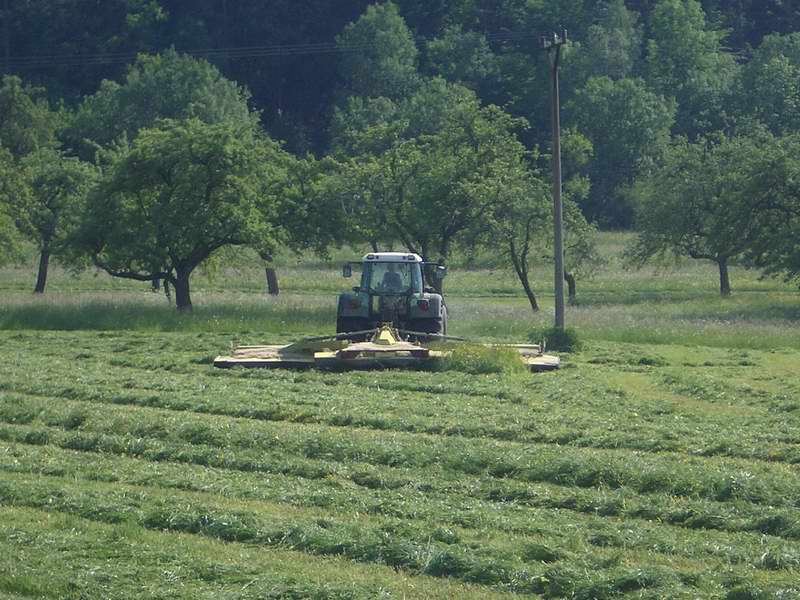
(439, 272)
(347, 271)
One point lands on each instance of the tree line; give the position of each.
(431, 131)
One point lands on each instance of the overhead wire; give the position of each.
(240, 52)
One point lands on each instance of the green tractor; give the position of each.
(394, 291)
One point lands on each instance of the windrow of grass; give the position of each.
(248, 443)
(507, 562)
(453, 502)
(89, 558)
(641, 471)
(696, 413)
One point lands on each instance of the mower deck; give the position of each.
(386, 349)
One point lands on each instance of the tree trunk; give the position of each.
(529, 293)
(183, 301)
(571, 288)
(272, 282)
(521, 269)
(44, 263)
(724, 278)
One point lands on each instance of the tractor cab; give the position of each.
(392, 278)
(392, 290)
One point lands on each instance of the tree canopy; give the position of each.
(397, 118)
(767, 89)
(183, 190)
(164, 86)
(304, 60)
(52, 203)
(10, 184)
(628, 126)
(695, 204)
(419, 170)
(26, 120)
(379, 55)
(773, 192)
(685, 60)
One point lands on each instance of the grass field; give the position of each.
(660, 462)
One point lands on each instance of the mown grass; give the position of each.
(661, 461)
(640, 470)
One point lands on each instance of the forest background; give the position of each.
(680, 121)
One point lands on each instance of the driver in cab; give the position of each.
(392, 280)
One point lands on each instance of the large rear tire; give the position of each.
(430, 325)
(348, 324)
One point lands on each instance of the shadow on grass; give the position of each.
(222, 318)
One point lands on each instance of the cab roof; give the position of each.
(395, 257)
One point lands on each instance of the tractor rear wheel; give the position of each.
(349, 324)
(430, 325)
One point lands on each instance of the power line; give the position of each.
(304, 49)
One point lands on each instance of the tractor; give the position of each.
(393, 291)
(391, 319)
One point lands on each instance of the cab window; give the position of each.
(392, 277)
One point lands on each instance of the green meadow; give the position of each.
(661, 461)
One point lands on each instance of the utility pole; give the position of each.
(553, 43)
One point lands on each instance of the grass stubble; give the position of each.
(661, 462)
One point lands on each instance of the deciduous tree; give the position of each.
(768, 86)
(50, 205)
(419, 174)
(10, 185)
(378, 55)
(612, 46)
(520, 222)
(694, 205)
(773, 189)
(685, 59)
(465, 57)
(628, 126)
(162, 86)
(183, 190)
(26, 120)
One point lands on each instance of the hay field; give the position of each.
(661, 462)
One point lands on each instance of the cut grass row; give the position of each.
(505, 561)
(613, 477)
(85, 558)
(646, 409)
(699, 477)
(472, 504)
(313, 461)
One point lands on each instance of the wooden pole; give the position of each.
(553, 46)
